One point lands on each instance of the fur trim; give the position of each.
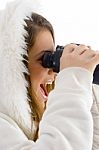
(13, 92)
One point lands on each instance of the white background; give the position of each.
(74, 21)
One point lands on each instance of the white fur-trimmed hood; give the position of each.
(13, 91)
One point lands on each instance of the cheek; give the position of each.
(37, 75)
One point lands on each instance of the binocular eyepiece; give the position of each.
(52, 60)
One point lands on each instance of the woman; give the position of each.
(67, 122)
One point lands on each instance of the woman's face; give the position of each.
(39, 75)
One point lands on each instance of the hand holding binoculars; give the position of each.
(52, 60)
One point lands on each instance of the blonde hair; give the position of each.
(34, 25)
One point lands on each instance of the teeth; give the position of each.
(49, 82)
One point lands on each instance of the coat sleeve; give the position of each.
(67, 122)
(95, 114)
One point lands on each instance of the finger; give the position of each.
(89, 47)
(88, 54)
(70, 48)
(76, 44)
(80, 49)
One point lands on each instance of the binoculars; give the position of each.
(52, 60)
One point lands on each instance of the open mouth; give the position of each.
(44, 91)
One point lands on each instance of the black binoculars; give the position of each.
(52, 60)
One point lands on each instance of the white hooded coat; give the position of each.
(67, 123)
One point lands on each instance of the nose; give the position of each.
(51, 75)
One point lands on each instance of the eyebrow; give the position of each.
(47, 50)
